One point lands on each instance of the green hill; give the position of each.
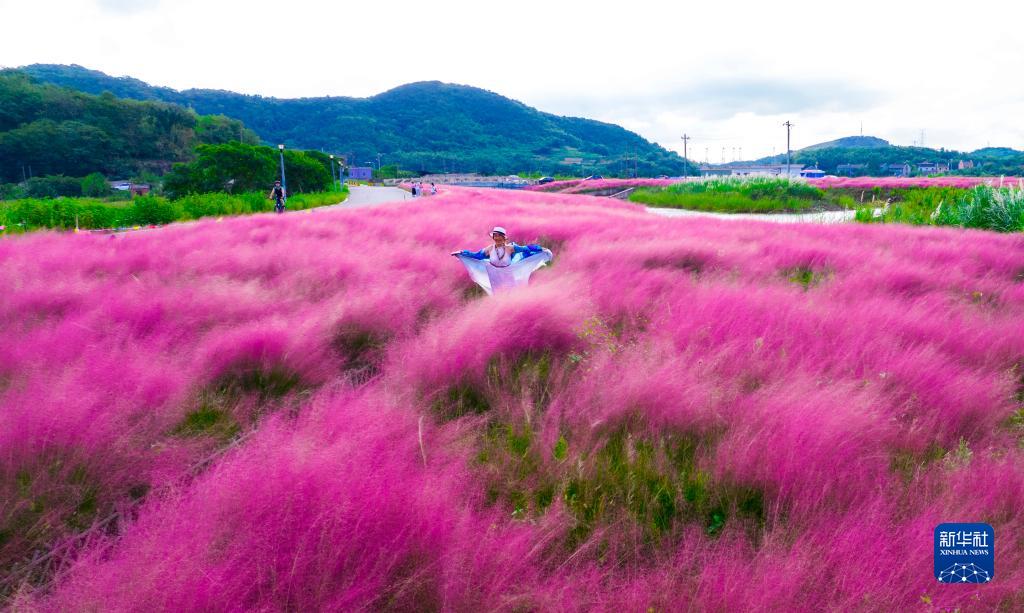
(427, 126)
(870, 154)
(866, 142)
(48, 130)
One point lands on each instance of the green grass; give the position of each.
(983, 207)
(29, 214)
(650, 485)
(751, 195)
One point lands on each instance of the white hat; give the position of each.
(499, 230)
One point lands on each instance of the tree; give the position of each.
(95, 186)
(56, 130)
(237, 167)
(53, 187)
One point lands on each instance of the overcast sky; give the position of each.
(728, 73)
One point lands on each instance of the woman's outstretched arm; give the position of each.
(476, 255)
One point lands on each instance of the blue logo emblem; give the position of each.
(964, 553)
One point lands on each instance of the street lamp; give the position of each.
(334, 181)
(341, 173)
(284, 186)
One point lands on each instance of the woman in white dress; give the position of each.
(503, 265)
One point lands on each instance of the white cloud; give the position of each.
(728, 73)
(128, 6)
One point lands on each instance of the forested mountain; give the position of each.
(427, 126)
(874, 153)
(45, 129)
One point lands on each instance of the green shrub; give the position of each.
(92, 213)
(53, 187)
(148, 210)
(95, 186)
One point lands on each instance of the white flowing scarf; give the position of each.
(499, 279)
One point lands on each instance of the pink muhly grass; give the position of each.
(677, 413)
(905, 182)
(576, 186)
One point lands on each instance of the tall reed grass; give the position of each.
(982, 207)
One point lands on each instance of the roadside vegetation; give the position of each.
(225, 179)
(27, 214)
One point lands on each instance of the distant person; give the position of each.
(277, 195)
(414, 190)
(433, 189)
(503, 265)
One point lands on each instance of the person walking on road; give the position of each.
(278, 196)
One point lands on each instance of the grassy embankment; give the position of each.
(983, 207)
(29, 214)
(753, 195)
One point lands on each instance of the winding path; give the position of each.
(362, 196)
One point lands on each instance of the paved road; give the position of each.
(361, 196)
(823, 217)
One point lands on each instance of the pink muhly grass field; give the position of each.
(905, 182)
(575, 186)
(678, 413)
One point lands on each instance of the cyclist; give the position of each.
(278, 196)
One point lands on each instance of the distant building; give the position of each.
(927, 168)
(735, 170)
(774, 170)
(712, 171)
(136, 189)
(896, 170)
(812, 173)
(360, 173)
(851, 170)
(965, 164)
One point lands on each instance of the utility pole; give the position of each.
(284, 186)
(334, 181)
(789, 126)
(686, 165)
